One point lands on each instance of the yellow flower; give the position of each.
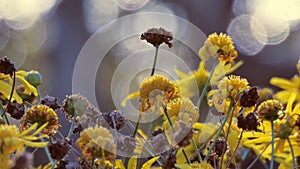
(269, 110)
(12, 141)
(195, 166)
(157, 90)
(97, 143)
(181, 109)
(41, 114)
(198, 78)
(6, 85)
(288, 86)
(220, 46)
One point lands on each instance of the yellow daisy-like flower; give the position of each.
(195, 166)
(233, 85)
(288, 86)
(12, 141)
(97, 143)
(41, 114)
(181, 109)
(220, 46)
(157, 90)
(6, 85)
(269, 110)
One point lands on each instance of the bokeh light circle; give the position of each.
(131, 5)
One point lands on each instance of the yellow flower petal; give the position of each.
(6, 90)
(282, 83)
(148, 164)
(132, 162)
(119, 164)
(130, 96)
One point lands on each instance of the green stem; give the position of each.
(186, 157)
(13, 87)
(273, 143)
(206, 85)
(234, 151)
(154, 62)
(219, 131)
(47, 152)
(292, 152)
(39, 93)
(3, 113)
(196, 148)
(72, 125)
(136, 126)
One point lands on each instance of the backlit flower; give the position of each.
(269, 110)
(218, 46)
(41, 114)
(157, 90)
(96, 143)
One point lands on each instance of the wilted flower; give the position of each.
(24, 160)
(15, 109)
(249, 97)
(220, 147)
(50, 101)
(59, 149)
(75, 103)
(41, 114)
(157, 36)
(249, 123)
(115, 119)
(269, 110)
(7, 66)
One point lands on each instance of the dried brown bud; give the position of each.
(249, 123)
(220, 147)
(157, 36)
(7, 66)
(59, 149)
(115, 119)
(15, 110)
(249, 97)
(50, 101)
(23, 161)
(171, 159)
(62, 164)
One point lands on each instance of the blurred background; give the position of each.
(48, 35)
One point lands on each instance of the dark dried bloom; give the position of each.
(249, 123)
(187, 132)
(157, 132)
(157, 36)
(50, 101)
(220, 147)
(59, 149)
(171, 159)
(25, 160)
(7, 66)
(15, 110)
(77, 129)
(249, 97)
(297, 123)
(115, 119)
(62, 164)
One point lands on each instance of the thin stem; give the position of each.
(13, 86)
(136, 126)
(47, 152)
(39, 93)
(206, 85)
(154, 62)
(219, 131)
(234, 151)
(186, 157)
(72, 125)
(292, 152)
(273, 143)
(196, 148)
(226, 138)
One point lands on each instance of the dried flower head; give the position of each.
(41, 114)
(115, 119)
(269, 109)
(25, 97)
(15, 109)
(96, 143)
(75, 103)
(62, 164)
(232, 86)
(157, 90)
(249, 123)
(59, 149)
(50, 101)
(220, 46)
(157, 36)
(249, 97)
(7, 66)
(171, 159)
(219, 148)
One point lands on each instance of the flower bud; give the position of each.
(34, 78)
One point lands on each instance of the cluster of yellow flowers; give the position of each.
(238, 115)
